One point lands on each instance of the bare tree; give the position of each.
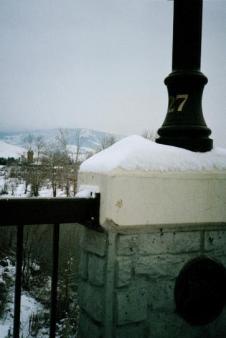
(51, 163)
(65, 160)
(61, 139)
(56, 161)
(28, 142)
(78, 145)
(106, 142)
(76, 158)
(37, 177)
(26, 169)
(31, 169)
(39, 146)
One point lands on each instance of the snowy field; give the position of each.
(11, 150)
(16, 187)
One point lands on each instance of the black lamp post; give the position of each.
(184, 125)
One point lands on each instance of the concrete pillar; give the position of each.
(153, 224)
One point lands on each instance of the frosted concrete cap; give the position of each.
(136, 153)
(144, 183)
(150, 198)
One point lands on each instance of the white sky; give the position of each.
(100, 64)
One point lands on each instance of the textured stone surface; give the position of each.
(215, 241)
(161, 295)
(96, 269)
(220, 258)
(169, 242)
(162, 266)
(134, 331)
(218, 328)
(124, 271)
(89, 328)
(95, 242)
(83, 265)
(141, 269)
(170, 325)
(127, 245)
(91, 300)
(132, 304)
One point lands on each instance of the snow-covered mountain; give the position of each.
(11, 150)
(89, 140)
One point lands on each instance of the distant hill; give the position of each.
(90, 140)
(9, 150)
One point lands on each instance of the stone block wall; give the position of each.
(92, 270)
(128, 277)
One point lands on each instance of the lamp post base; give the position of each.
(184, 125)
(194, 144)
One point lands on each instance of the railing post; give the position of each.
(55, 262)
(184, 125)
(17, 298)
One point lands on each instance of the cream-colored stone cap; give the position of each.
(131, 198)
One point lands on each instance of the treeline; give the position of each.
(52, 165)
(8, 161)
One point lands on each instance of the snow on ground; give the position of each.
(6, 321)
(10, 150)
(19, 189)
(137, 153)
(16, 188)
(29, 307)
(46, 191)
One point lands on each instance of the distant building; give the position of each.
(30, 156)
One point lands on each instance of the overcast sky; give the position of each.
(100, 64)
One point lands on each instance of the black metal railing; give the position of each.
(27, 211)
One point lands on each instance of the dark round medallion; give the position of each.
(200, 290)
